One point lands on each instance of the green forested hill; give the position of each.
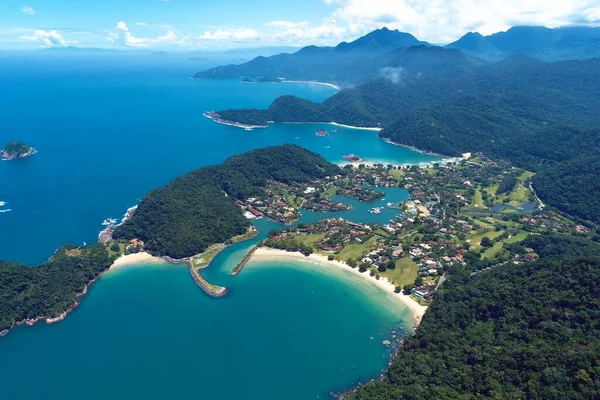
(533, 113)
(192, 212)
(50, 289)
(516, 332)
(574, 186)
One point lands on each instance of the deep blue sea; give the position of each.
(108, 130)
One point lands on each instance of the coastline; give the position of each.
(268, 254)
(133, 259)
(331, 85)
(215, 117)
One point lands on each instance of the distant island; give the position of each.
(15, 150)
(269, 79)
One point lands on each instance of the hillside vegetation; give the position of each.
(516, 332)
(198, 209)
(536, 114)
(51, 288)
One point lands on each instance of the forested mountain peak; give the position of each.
(380, 39)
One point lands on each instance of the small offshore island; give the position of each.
(15, 150)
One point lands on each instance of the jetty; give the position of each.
(242, 263)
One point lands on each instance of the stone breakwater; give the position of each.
(242, 263)
(207, 287)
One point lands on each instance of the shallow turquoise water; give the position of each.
(107, 134)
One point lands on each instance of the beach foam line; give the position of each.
(267, 254)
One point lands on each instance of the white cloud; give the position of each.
(303, 33)
(48, 38)
(446, 20)
(28, 10)
(394, 75)
(123, 37)
(287, 24)
(230, 34)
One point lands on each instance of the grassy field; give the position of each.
(398, 173)
(405, 273)
(309, 240)
(475, 240)
(204, 259)
(114, 253)
(517, 238)
(498, 247)
(478, 199)
(526, 175)
(356, 250)
(331, 190)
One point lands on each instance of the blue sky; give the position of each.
(225, 24)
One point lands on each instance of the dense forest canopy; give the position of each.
(198, 209)
(51, 288)
(526, 331)
(573, 186)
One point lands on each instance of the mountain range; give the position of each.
(378, 52)
(535, 41)
(540, 115)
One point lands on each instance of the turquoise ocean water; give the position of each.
(107, 132)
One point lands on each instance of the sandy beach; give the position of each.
(132, 259)
(332, 85)
(268, 254)
(362, 128)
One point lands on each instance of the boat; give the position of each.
(322, 132)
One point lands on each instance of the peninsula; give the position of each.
(15, 150)
(188, 221)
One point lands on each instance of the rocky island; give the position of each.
(15, 150)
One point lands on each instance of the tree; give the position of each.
(486, 242)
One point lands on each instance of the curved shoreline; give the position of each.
(268, 254)
(143, 257)
(331, 85)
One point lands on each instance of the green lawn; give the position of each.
(517, 238)
(498, 247)
(526, 175)
(475, 240)
(398, 173)
(478, 199)
(405, 273)
(492, 251)
(356, 250)
(329, 192)
(309, 240)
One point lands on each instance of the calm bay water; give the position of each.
(107, 132)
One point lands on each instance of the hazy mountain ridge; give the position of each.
(535, 41)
